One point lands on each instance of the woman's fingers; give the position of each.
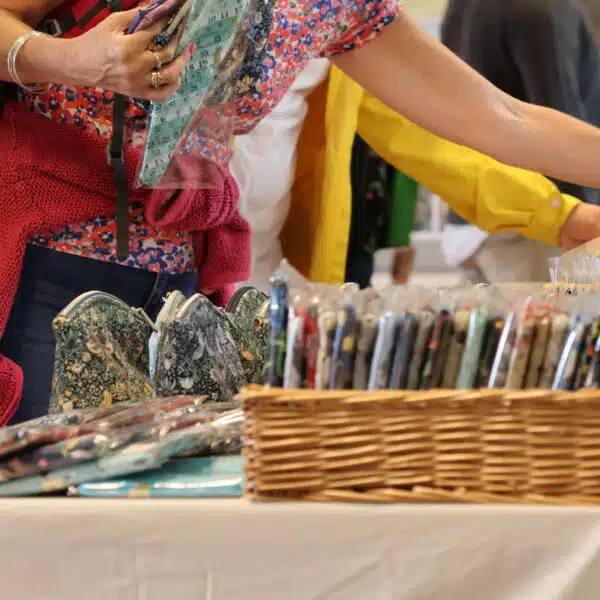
(162, 93)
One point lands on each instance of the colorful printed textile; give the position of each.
(299, 31)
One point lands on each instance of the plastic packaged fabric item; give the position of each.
(223, 436)
(278, 317)
(491, 341)
(342, 360)
(21, 439)
(478, 320)
(587, 355)
(569, 358)
(218, 477)
(327, 326)
(437, 350)
(311, 344)
(539, 351)
(155, 11)
(365, 346)
(383, 353)
(556, 341)
(200, 114)
(592, 380)
(426, 321)
(59, 455)
(456, 351)
(525, 338)
(407, 331)
(293, 371)
(501, 364)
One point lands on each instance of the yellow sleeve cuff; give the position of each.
(548, 220)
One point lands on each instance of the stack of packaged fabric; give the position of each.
(171, 447)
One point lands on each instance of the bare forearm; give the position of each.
(42, 59)
(547, 141)
(422, 80)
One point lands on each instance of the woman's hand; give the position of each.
(582, 226)
(107, 57)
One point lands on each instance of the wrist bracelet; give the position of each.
(11, 61)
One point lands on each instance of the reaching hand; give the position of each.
(107, 57)
(583, 225)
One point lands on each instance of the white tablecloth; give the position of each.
(67, 549)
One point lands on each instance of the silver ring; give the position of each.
(159, 63)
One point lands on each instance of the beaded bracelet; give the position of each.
(11, 61)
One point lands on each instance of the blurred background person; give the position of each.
(540, 51)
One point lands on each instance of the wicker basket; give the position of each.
(484, 446)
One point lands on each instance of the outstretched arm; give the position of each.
(416, 76)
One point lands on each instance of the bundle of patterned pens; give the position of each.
(411, 338)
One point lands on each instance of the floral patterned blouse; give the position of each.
(284, 37)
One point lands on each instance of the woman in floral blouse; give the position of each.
(373, 41)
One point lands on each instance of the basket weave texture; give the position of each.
(485, 446)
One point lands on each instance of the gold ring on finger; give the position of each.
(156, 79)
(159, 62)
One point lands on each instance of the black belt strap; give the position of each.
(118, 164)
(120, 174)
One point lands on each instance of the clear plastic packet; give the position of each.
(467, 302)
(294, 366)
(327, 324)
(440, 340)
(582, 312)
(407, 330)
(365, 341)
(394, 304)
(344, 343)
(222, 436)
(59, 455)
(592, 378)
(543, 331)
(569, 358)
(478, 318)
(526, 337)
(556, 341)
(518, 300)
(189, 142)
(426, 319)
(147, 414)
(580, 266)
(587, 355)
(311, 342)
(278, 316)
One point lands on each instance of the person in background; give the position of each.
(541, 51)
(383, 207)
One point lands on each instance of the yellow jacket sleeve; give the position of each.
(493, 196)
